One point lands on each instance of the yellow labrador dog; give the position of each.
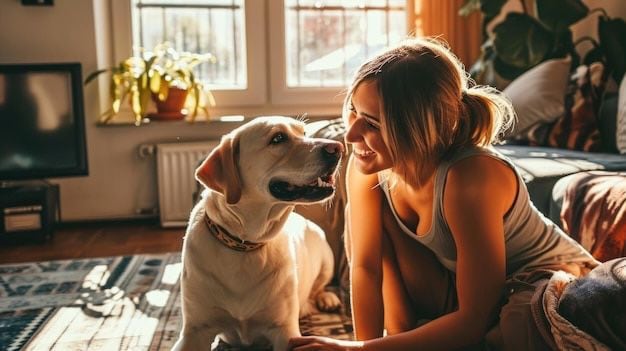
(252, 266)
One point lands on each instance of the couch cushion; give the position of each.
(542, 167)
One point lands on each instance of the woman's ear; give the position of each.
(220, 172)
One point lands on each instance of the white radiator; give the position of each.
(176, 165)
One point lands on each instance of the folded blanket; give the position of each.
(566, 335)
(594, 212)
(588, 313)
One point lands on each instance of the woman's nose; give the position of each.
(353, 131)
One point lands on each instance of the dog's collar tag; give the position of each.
(229, 240)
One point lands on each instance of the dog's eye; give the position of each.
(278, 138)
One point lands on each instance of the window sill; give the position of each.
(233, 120)
(121, 121)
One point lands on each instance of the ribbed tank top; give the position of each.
(531, 240)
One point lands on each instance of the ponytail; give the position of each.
(486, 115)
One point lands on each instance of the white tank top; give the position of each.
(532, 241)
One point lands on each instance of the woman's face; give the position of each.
(365, 111)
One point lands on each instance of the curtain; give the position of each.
(441, 18)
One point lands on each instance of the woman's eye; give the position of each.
(373, 126)
(278, 138)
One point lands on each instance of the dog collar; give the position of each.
(229, 240)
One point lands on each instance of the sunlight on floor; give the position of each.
(171, 273)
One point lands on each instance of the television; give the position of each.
(42, 122)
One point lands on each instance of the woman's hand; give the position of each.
(311, 343)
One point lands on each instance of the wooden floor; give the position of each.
(96, 239)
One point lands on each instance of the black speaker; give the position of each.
(28, 211)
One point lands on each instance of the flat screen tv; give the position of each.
(42, 123)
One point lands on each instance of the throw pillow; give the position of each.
(621, 118)
(578, 128)
(537, 95)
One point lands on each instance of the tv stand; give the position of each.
(28, 211)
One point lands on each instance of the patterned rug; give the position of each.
(108, 303)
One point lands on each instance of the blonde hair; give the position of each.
(431, 108)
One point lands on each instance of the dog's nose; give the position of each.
(333, 147)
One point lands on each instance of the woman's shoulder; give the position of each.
(481, 176)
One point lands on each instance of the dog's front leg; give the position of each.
(280, 335)
(195, 339)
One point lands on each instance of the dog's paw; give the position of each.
(307, 309)
(327, 301)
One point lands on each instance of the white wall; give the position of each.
(119, 182)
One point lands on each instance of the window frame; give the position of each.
(267, 91)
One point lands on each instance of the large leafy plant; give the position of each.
(524, 39)
(150, 75)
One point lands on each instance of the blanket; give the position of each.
(588, 313)
(106, 303)
(594, 212)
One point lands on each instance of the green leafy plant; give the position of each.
(151, 75)
(524, 39)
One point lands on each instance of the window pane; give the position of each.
(200, 26)
(326, 41)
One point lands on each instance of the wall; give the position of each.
(119, 181)
(585, 27)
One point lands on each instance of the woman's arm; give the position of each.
(365, 231)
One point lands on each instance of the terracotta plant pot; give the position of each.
(172, 107)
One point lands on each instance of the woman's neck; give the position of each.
(421, 190)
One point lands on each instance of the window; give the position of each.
(205, 26)
(327, 41)
(273, 56)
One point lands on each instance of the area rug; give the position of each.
(108, 303)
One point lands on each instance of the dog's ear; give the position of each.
(220, 172)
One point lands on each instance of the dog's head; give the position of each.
(271, 159)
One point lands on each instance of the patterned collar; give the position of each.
(229, 240)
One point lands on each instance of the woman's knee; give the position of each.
(518, 325)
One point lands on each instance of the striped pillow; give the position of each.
(577, 129)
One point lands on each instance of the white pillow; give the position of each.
(538, 95)
(620, 124)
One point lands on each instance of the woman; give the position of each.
(446, 250)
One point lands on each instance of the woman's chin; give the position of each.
(366, 166)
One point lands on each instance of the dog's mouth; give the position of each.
(316, 190)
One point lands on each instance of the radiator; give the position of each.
(176, 164)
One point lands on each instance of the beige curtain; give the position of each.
(441, 18)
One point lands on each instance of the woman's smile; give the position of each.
(363, 153)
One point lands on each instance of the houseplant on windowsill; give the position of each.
(164, 77)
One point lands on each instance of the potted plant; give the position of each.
(163, 76)
(524, 39)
